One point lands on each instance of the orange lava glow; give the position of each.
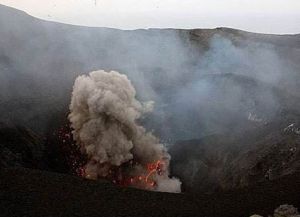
(146, 180)
(77, 161)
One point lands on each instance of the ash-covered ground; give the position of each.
(35, 193)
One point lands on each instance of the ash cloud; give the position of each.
(103, 113)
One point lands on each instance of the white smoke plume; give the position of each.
(103, 113)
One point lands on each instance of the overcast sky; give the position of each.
(266, 16)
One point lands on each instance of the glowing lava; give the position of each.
(152, 169)
(145, 175)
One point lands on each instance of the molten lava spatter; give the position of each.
(104, 115)
(132, 173)
(71, 151)
(147, 179)
(117, 175)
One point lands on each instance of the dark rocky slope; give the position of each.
(218, 162)
(31, 193)
(20, 147)
(248, 135)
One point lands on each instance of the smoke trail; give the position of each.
(104, 114)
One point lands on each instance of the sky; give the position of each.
(263, 16)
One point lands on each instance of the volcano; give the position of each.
(225, 120)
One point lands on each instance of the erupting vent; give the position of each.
(103, 114)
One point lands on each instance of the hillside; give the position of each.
(217, 162)
(32, 193)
